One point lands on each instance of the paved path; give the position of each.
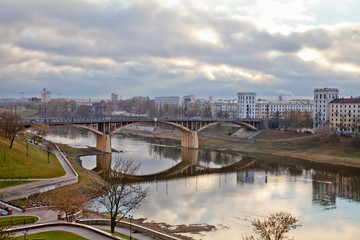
(77, 230)
(126, 232)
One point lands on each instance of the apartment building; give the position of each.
(246, 104)
(322, 98)
(225, 108)
(277, 108)
(344, 115)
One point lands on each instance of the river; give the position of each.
(326, 199)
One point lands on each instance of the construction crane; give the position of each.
(23, 96)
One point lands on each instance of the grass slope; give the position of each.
(4, 184)
(18, 165)
(18, 220)
(53, 235)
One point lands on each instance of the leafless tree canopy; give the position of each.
(11, 126)
(39, 131)
(324, 133)
(274, 227)
(69, 200)
(4, 234)
(117, 195)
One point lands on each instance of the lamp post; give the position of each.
(130, 217)
(27, 148)
(4, 153)
(25, 232)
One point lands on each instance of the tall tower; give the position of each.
(246, 103)
(322, 98)
(45, 96)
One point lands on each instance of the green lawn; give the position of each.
(18, 165)
(53, 235)
(18, 220)
(4, 184)
(119, 235)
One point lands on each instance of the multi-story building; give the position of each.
(161, 101)
(114, 97)
(277, 108)
(345, 115)
(246, 104)
(322, 98)
(45, 96)
(225, 108)
(187, 100)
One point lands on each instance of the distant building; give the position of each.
(114, 97)
(35, 100)
(344, 115)
(187, 100)
(277, 108)
(246, 104)
(160, 102)
(322, 98)
(225, 108)
(45, 96)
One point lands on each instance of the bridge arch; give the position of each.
(241, 124)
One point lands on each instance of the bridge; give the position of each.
(105, 127)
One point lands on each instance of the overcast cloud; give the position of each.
(91, 48)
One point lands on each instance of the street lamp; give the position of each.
(4, 153)
(130, 217)
(25, 232)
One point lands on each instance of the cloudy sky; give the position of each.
(90, 48)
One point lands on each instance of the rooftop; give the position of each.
(346, 100)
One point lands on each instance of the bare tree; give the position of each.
(69, 200)
(274, 227)
(4, 233)
(117, 194)
(49, 146)
(11, 126)
(39, 131)
(324, 133)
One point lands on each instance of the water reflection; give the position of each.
(241, 187)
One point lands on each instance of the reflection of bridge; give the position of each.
(189, 166)
(189, 127)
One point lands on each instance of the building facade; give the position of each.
(160, 102)
(225, 109)
(277, 108)
(345, 115)
(45, 96)
(246, 104)
(322, 98)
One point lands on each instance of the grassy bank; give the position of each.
(4, 184)
(53, 235)
(18, 164)
(18, 220)
(85, 176)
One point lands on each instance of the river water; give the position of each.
(326, 199)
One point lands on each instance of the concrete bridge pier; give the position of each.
(103, 143)
(190, 155)
(189, 139)
(103, 162)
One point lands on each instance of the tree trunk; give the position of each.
(112, 225)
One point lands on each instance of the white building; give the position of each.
(45, 96)
(279, 107)
(322, 98)
(246, 104)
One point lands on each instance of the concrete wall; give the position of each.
(134, 227)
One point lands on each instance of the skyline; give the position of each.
(174, 48)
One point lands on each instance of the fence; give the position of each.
(20, 221)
